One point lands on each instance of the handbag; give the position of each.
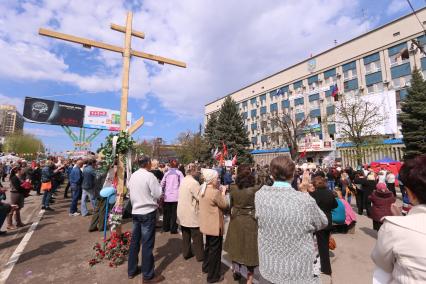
(27, 188)
(332, 243)
(46, 186)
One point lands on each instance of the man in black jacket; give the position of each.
(326, 202)
(367, 186)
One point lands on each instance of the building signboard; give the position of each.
(317, 146)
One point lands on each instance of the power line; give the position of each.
(415, 14)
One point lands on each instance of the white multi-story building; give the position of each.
(376, 65)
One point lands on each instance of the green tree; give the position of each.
(413, 117)
(190, 147)
(231, 131)
(23, 144)
(357, 120)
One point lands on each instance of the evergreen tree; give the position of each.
(413, 117)
(209, 139)
(231, 131)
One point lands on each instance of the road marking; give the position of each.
(4, 275)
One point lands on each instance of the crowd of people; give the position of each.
(281, 216)
(277, 213)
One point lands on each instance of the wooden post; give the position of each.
(124, 102)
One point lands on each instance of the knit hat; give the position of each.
(381, 187)
(208, 176)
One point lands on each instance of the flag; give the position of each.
(303, 154)
(218, 156)
(334, 90)
(215, 153)
(224, 150)
(234, 160)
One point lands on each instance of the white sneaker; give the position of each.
(74, 214)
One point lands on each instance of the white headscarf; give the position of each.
(208, 175)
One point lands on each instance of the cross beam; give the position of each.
(92, 43)
(127, 52)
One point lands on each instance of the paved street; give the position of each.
(61, 246)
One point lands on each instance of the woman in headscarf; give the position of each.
(212, 204)
(241, 238)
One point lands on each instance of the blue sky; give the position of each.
(226, 44)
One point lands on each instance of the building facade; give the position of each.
(376, 66)
(11, 121)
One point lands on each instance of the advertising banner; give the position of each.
(102, 118)
(53, 112)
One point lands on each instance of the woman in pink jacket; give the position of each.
(170, 185)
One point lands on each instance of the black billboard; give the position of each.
(53, 112)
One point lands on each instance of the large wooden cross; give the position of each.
(127, 52)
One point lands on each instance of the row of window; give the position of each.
(331, 129)
(400, 73)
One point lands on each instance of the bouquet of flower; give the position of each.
(115, 250)
(116, 216)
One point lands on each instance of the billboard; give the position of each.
(53, 112)
(102, 118)
(386, 101)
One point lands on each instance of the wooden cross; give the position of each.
(127, 52)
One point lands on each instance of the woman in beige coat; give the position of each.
(187, 213)
(400, 251)
(212, 204)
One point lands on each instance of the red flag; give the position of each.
(224, 150)
(303, 154)
(234, 160)
(334, 90)
(218, 156)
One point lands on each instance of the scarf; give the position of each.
(208, 175)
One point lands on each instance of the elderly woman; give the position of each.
(212, 204)
(400, 250)
(241, 238)
(287, 220)
(187, 213)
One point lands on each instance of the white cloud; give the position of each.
(18, 102)
(226, 44)
(149, 123)
(397, 6)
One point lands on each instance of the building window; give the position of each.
(314, 104)
(372, 67)
(393, 60)
(331, 80)
(350, 85)
(375, 88)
